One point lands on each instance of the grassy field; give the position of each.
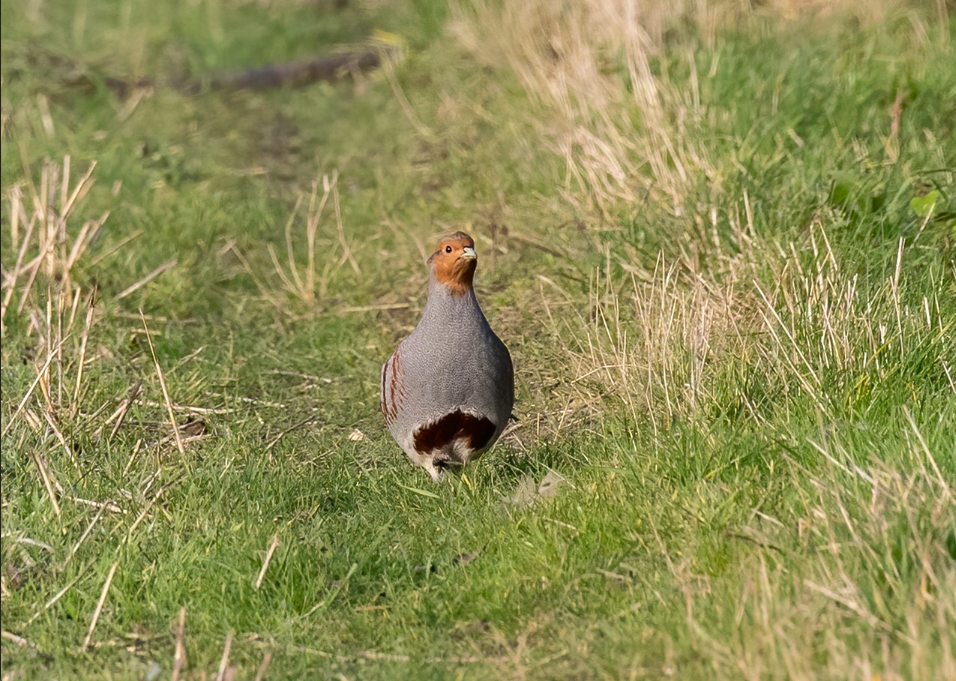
(720, 243)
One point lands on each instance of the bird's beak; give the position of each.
(469, 253)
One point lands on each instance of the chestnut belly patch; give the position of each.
(476, 431)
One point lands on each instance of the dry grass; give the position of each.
(47, 251)
(749, 424)
(55, 317)
(625, 129)
(656, 345)
(666, 342)
(51, 307)
(577, 62)
(858, 580)
(875, 599)
(306, 286)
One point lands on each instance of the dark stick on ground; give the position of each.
(295, 74)
(298, 74)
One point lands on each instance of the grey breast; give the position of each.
(452, 361)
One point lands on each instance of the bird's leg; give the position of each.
(434, 469)
(441, 461)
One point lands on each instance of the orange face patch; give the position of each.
(452, 267)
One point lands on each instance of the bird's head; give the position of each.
(454, 262)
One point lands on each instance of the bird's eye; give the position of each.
(447, 249)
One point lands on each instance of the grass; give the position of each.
(720, 244)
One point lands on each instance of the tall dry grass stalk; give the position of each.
(41, 287)
(306, 284)
(47, 251)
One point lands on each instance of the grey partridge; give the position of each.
(448, 389)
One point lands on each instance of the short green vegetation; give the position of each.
(721, 245)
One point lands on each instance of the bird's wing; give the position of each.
(393, 389)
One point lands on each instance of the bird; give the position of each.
(447, 390)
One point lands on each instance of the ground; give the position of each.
(719, 242)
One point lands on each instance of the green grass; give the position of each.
(744, 377)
